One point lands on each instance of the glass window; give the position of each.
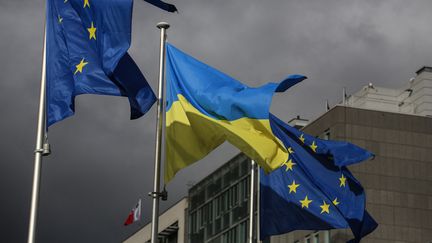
(244, 188)
(203, 212)
(242, 232)
(193, 223)
(230, 236)
(198, 219)
(210, 212)
(245, 166)
(224, 201)
(233, 238)
(217, 206)
(241, 189)
(234, 195)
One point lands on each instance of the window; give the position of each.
(203, 215)
(234, 195)
(244, 189)
(218, 206)
(230, 236)
(210, 212)
(193, 223)
(243, 232)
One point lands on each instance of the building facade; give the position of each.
(219, 204)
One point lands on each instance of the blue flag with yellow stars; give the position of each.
(313, 189)
(87, 43)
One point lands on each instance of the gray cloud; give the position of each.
(102, 162)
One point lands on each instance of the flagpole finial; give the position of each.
(163, 25)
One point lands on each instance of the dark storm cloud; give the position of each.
(102, 162)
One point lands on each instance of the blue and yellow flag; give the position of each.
(313, 189)
(206, 107)
(87, 43)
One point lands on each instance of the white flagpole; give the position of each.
(251, 202)
(158, 148)
(41, 148)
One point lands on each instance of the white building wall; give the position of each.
(413, 98)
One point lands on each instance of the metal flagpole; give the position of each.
(41, 148)
(160, 104)
(251, 202)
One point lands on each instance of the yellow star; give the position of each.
(342, 181)
(293, 187)
(314, 146)
(325, 208)
(290, 150)
(302, 138)
(86, 3)
(60, 19)
(289, 165)
(305, 202)
(335, 202)
(92, 31)
(79, 67)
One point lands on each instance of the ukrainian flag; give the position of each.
(206, 107)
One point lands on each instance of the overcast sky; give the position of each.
(102, 162)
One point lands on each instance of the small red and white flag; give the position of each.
(135, 214)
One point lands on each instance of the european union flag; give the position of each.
(313, 190)
(87, 43)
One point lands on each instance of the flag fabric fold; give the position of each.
(87, 43)
(134, 215)
(313, 189)
(205, 107)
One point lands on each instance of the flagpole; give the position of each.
(40, 150)
(251, 202)
(159, 120)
